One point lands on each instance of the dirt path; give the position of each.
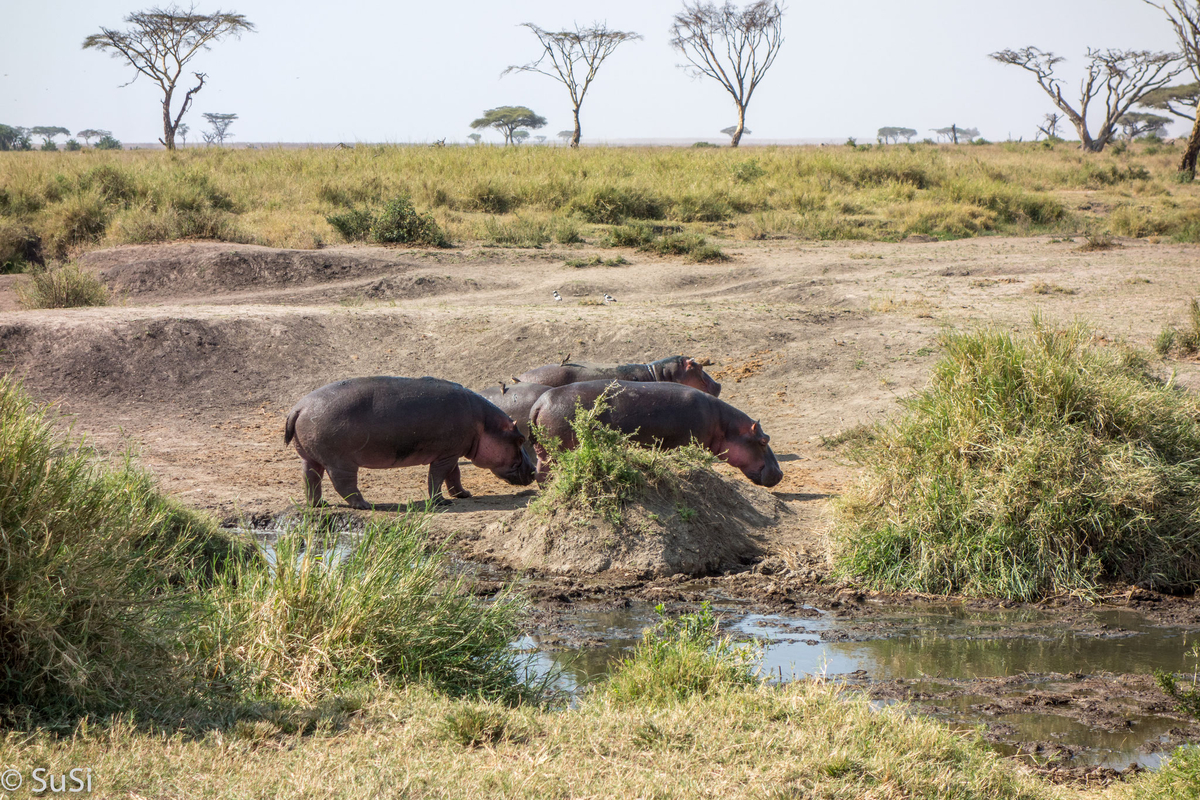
(211, 343)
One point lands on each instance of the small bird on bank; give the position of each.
(557, 296)
(608, 298)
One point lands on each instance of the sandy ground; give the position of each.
(208, 344)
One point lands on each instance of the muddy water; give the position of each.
(1064, 689)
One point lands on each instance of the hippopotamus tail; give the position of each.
(289, 427)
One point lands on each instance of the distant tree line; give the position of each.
(15, 137)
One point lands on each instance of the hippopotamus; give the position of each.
(665, 415)
(385, 422)
(516, 400)
(674, 369)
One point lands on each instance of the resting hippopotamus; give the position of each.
(675, 369)
(385, 422)
(663, 414)
(516, 400)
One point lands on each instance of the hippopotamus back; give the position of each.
(674, 369)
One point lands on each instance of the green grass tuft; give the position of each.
(1030, 466)
(62, 286)
(380, 610)
(607, 469)
(680, 658)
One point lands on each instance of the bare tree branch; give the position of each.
(573, 58)
(160, 43)
(1120, 77)
(733, 46)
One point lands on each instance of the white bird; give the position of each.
(608, 298)
(557, 296)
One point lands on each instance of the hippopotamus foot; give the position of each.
(345, 482)
(454, 486)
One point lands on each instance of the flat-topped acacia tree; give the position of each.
(159, 44)
(507, 119)
(733, 46)
(573, 58)
(1184, 16)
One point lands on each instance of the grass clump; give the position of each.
(88, 558)
(520, 232)
(397, 222)
(1030, 466)
(612, 205)
(379, 611)
(607, 468)
(1181, 341)
(679, 658)
(1042, 287)
(692, 246)
(596, 261)
(61, 286)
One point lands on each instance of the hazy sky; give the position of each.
(402, 71)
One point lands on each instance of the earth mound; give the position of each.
(711, 523)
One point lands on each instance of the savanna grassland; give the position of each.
(528, 196)
(979, 326)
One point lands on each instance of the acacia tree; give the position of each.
(735, 47)
(220, 127)
(474, 137)
(1180, 101)
(1123, 76)
(1185, 19)
(1136, 124)
(573, 59)
(48, 132)
(507, 119)
(159, 44)
(894, 133)
(953, 133)
(87, 134)
(1050, 126)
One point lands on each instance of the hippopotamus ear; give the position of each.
(757, 431)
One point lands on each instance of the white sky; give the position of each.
(405, 71)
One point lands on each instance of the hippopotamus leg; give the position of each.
(444, 470)
(345, 481)
(454, 486)
(313, 472)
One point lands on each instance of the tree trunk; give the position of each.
(575, 137)
(737, 135)
(1188, 164)
(168, 140)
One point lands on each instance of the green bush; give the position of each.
(87, 558)
(635, 235)
(1029, 466)
(62, 286)
(107, 142)
(354, 224)
(612, 205)
(680, 658)
(399, 222)
(382, 609)
(73, 145)
(607, 469)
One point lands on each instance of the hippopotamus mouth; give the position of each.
(520, 474)
(768, 476)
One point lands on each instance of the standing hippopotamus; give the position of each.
(675, 369)
(665, 415)
(384, 422)
(516, 400)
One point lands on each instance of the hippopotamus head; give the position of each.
(748, 448)
(689, 372)
(499, 449)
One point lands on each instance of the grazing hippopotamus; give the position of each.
(675, 369)
(665, 415)
(385, 422)
(516, 400)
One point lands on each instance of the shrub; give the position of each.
(20, 246)
(607, 468)
(1186, 697)
(1183, 342)
(747, 171)
(63, 286)
(692, 246)
(382, 609)
(87, 557)
(612, 205)
(112, 184)
(1029, 466)
(73, 145)
(634, 235)
(108, 143)
(354, 224)
(702, 208)
(491, 198)
(567, 231)
(399, 222)
(680, 658)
